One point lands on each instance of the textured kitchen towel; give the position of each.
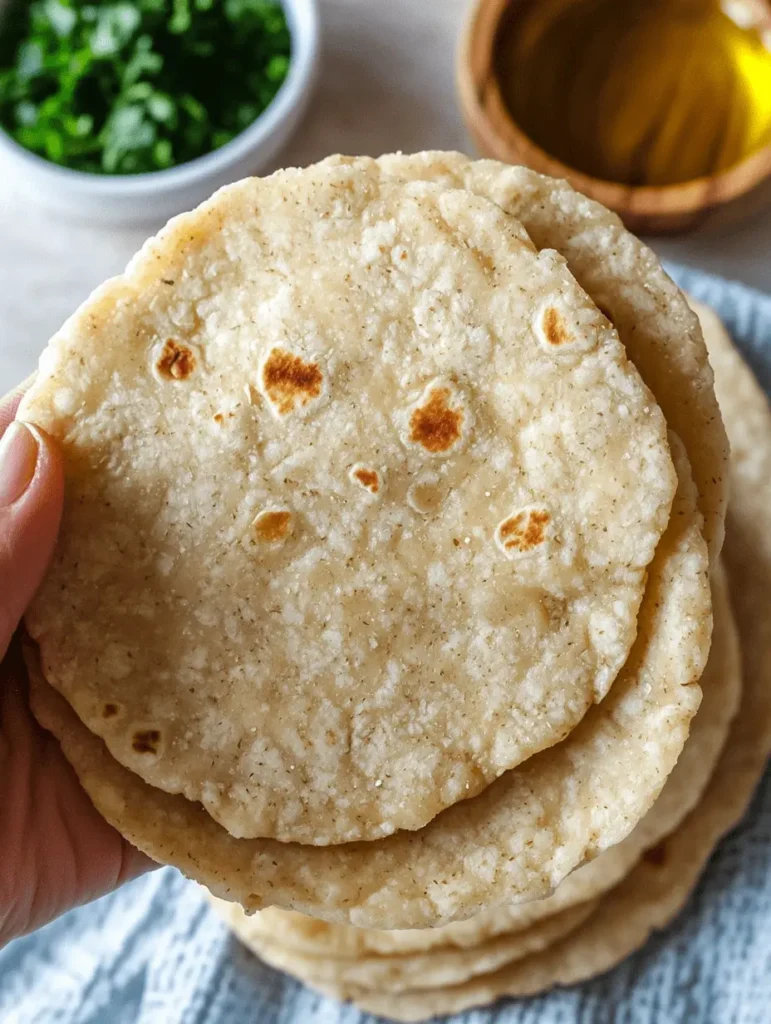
(153, 953)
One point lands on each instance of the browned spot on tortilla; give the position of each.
(524, 531)
(554, 329)
(657, 855)
(175, 362)
(435, 425)
(218, 417)
(146, 741)
(272, 526)
(368, 478)
(289, 381)
(109, 710)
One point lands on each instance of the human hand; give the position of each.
(56, 852)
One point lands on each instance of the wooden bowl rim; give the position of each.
(487, 116)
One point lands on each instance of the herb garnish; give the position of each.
(137, 85)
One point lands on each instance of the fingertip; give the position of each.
(47, 483)
(31, 500)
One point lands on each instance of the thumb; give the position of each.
(31, 494)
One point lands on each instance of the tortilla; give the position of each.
(361, 494)
(661, 333)
(514, 842)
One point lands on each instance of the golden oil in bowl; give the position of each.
(640, 92)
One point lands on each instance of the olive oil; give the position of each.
(641, 92)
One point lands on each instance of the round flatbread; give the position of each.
(625, 278)
(306, 944)
(514, 842)
(361, 493)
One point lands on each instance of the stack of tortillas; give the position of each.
(385, 592)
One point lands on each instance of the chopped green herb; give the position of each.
(131, 86)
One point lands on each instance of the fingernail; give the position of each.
(18, 458)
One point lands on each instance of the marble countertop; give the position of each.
(387, 83)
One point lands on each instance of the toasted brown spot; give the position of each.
(368, 478)
(271, 526)
(657, 855)
(175, 362)
(146, 741)
(435, 425)
(218, 417)
(524, 531)
(289, 381)
(109, 710)
(554, 329)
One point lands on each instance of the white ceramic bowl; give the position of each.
(142, 198)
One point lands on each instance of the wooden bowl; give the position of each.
(644, 209)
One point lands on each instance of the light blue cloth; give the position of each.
(154, 953)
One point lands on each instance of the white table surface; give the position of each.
(387, 83)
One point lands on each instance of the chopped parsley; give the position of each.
(137, 85)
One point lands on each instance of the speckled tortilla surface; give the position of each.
(362, 490)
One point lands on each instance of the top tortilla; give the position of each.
(361, 493)
(660, 331)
